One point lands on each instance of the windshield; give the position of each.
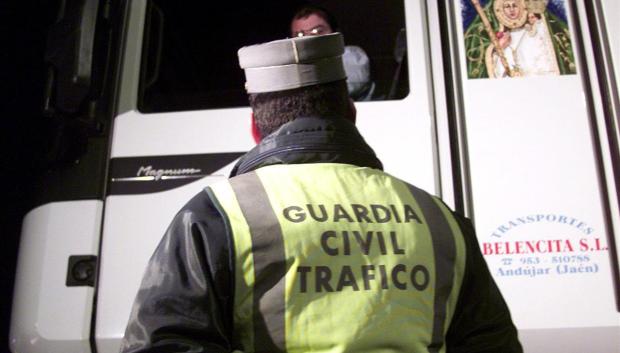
(189, 56)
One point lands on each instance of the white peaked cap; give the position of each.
(292, 63)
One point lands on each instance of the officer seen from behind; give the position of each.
(310, 246)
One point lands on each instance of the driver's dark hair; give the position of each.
(274, 109)
(308, 9)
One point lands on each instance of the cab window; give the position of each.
(189, 55)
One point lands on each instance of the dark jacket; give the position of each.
(185, 300)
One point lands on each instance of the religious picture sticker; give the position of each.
(517, 38)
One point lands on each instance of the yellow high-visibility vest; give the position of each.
(338, 258)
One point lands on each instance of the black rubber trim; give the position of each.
(606, 98)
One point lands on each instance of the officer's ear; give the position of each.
(351, 112)
(255, 132)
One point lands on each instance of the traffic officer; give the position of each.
(310, 246)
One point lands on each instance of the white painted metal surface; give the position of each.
(607, 23)
(49, 317)
(611, 14)
(538, 207)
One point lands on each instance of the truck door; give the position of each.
(536, 166)
(56, 271)
(184, 120)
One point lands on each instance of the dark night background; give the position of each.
(24, 134)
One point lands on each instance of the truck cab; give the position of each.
(151, 109)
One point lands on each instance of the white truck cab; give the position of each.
(151, 108)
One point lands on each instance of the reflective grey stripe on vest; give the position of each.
(444, 248)
(269, 262)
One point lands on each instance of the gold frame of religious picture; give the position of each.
(517, 38)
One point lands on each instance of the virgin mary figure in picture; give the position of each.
(530, 41)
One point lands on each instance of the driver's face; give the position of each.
(312, 25)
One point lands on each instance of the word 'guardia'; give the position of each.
(356, 213)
